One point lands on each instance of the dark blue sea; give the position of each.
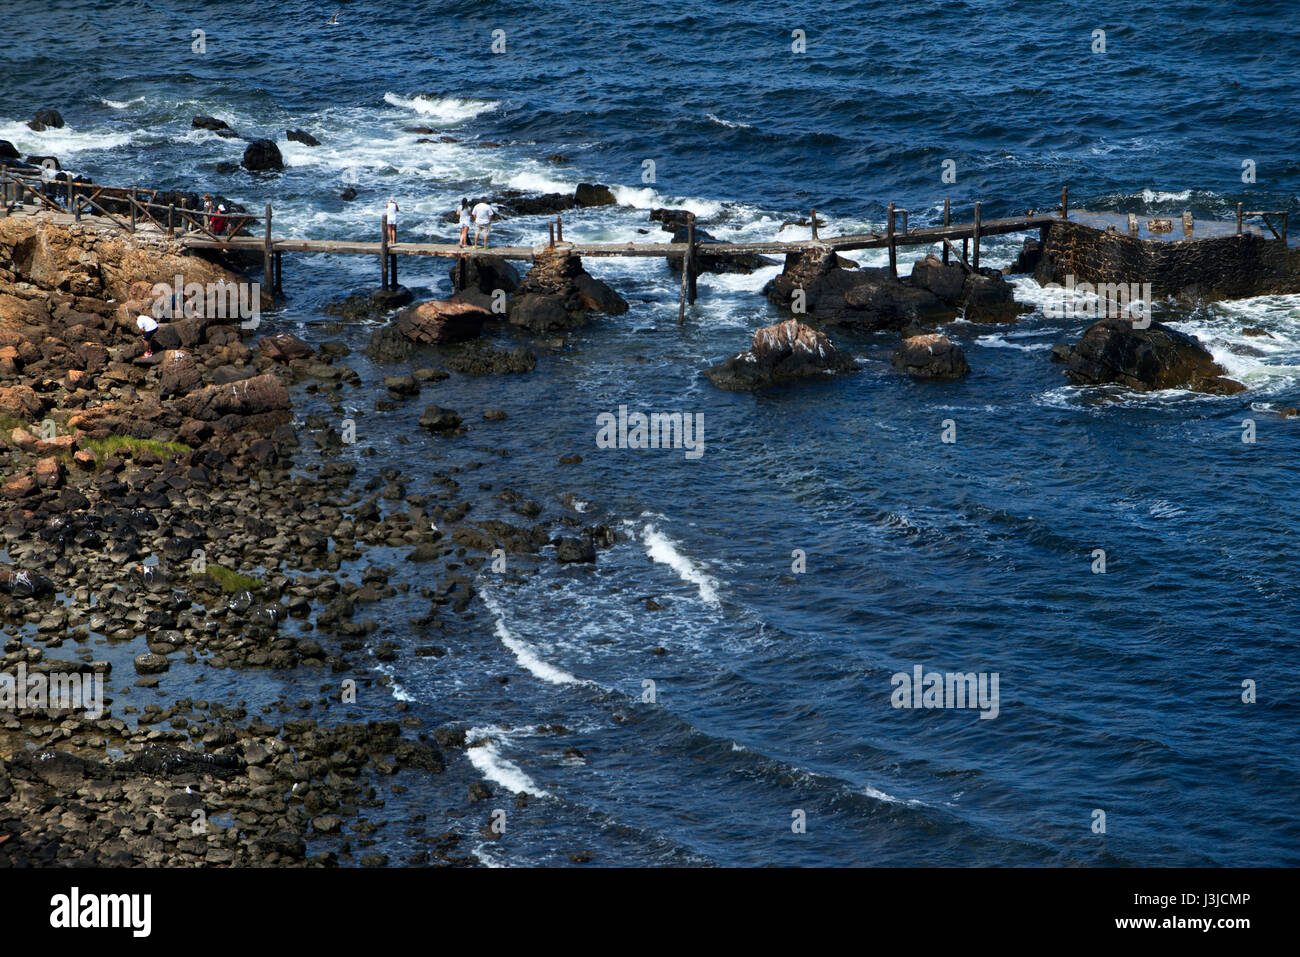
(1119, 692)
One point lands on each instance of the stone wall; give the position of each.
(1221, 267)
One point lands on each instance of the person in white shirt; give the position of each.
(483, 213)
(147, 326)
(465, 221)
(390, 218)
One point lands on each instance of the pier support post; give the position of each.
(975, 262)
(813, 220)
(268, 267)
(1065, 202)
(1132, 224)
(1189, 225)
(133, 202)
(559, 228)
(383, 252)
(947, 221)
(551, 230)
(893, 250)
(1239, 214)
(688, 264)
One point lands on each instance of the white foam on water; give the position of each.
(63, 143)
(1154, 196)
(398, 691)
(732, 124)
(488, 761)
(998, 341)
(121, 104)
(647, 197)
(663, 550)
(524, 653)
(444, 110)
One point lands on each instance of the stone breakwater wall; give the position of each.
(1220, 267)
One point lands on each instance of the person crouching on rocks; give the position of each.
(466, 220)
(147, 325)
(390, 219)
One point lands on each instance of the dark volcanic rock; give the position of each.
(46, 120)
(558, 293)
(262, 155)
(1157, 357)
(8, 151)
(931, 357)
(283, 347)
(860, 298)
(302, 136)
(438, 419)
(486, 274)
(593, 194)
(787, 350)
(209, 123)
(570, 550)
(481, 359)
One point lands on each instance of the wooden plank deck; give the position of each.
(924, 236)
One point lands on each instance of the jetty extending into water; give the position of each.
(133, 208)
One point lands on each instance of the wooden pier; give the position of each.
(63, 198)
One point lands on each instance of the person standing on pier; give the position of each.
(390, 218)
(483, 213)
(465, 222)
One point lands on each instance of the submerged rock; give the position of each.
(1158, 357)
(438, 419)
(46, 120)
(931, 357)
(787, 350)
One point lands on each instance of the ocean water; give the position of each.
(1118, 692)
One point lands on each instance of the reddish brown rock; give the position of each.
(21, 402)
(283, 347)
(49, 473)
(442, 320)
(254, 396)
(19, 487)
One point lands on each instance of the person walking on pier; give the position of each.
(390, 218)
(483, 213)
(463, 214)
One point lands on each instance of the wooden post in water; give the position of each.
(947, 221)
(1239, 219)
(1065, 202)
(383, 251)
(551, 230)
(814, 225)
(559, 228)
(1189, 224)
(893, 251)
(689, 262)
(268, 267)
(1132, 224)
(975, 262)
(133, 202)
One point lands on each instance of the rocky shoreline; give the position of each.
(165, 505)
(166, 502)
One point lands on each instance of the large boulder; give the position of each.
(22, 583)
(302, 136)
(438, 419)
(442, 320)
(484, 273)
(46, 120)
(283, 347)
(593, 194)
(262, 155)
(784, 351)
(557, 293)
(8, 151)
(931, 357)
(254, 396)
(984, 296)
(1157, 357)
(865, 299)
(178, 374)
